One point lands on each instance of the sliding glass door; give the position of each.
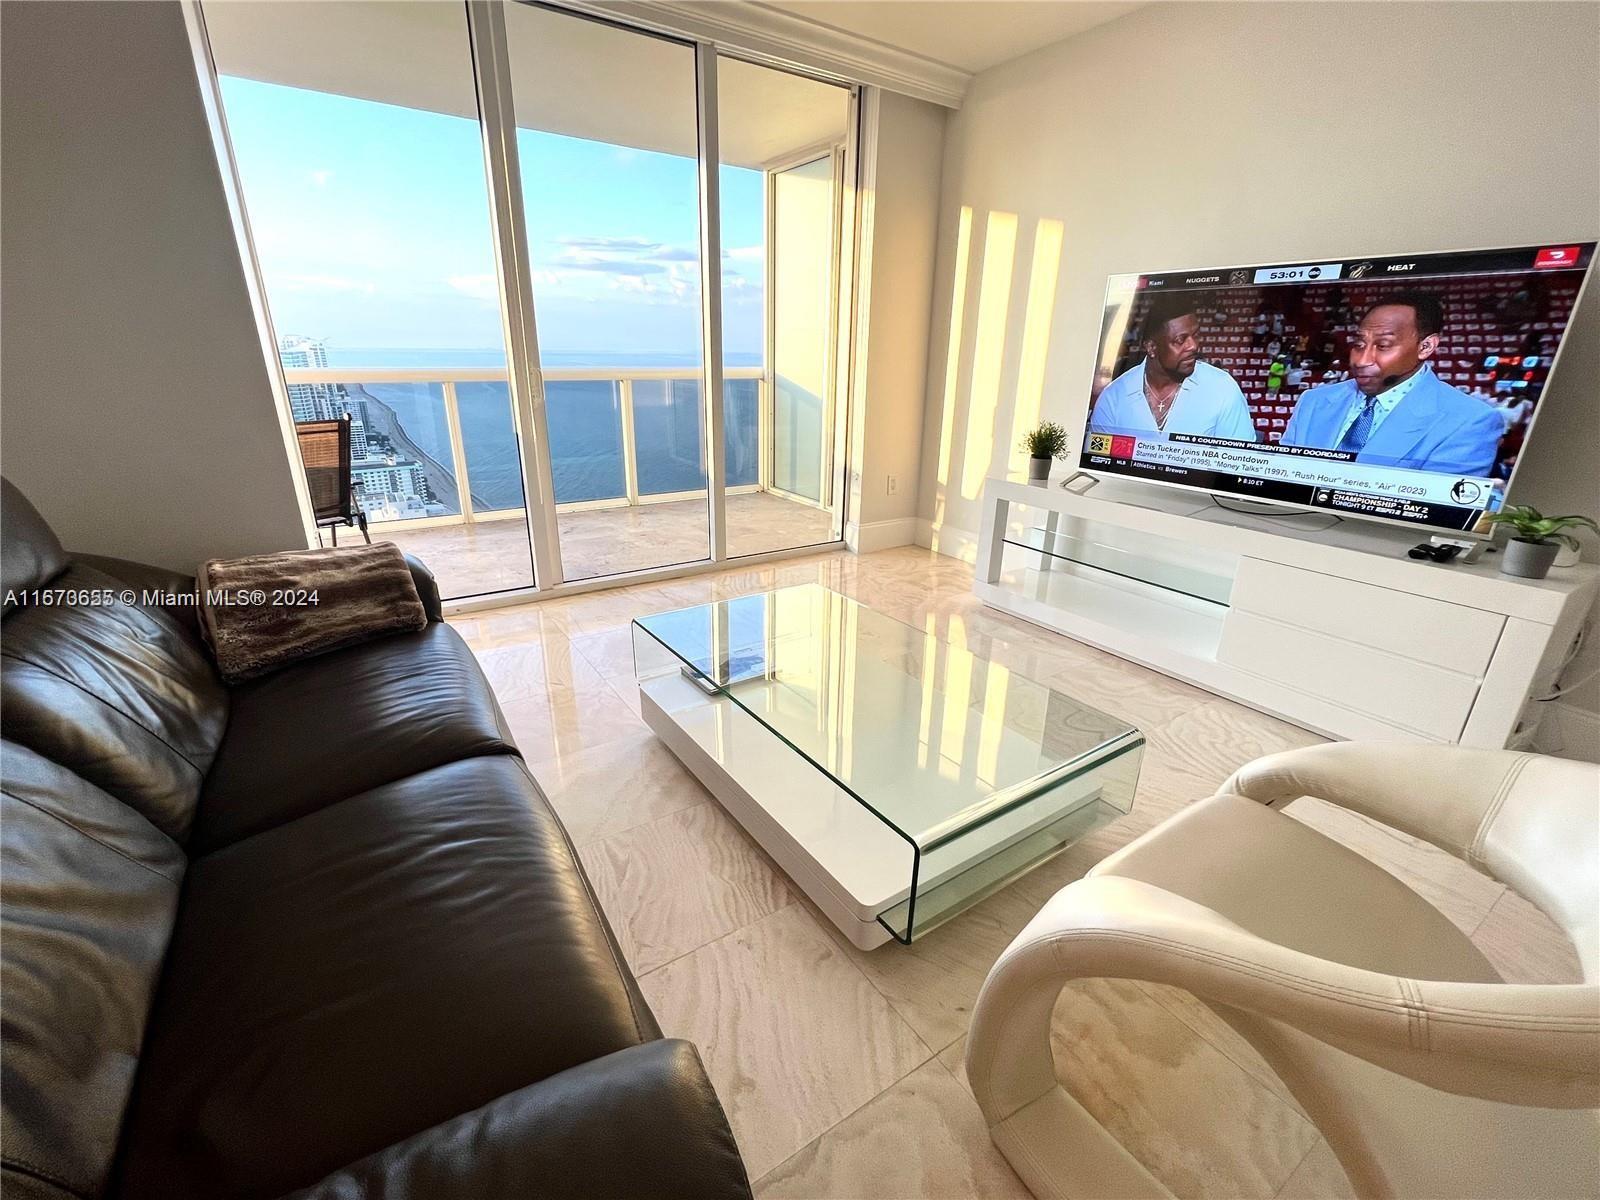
(782, 142)
(483, 232)
(607, 141)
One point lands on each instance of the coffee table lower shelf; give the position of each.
(866, 877)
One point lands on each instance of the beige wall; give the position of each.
(906, 215)
(1200, 135)
(137, 410)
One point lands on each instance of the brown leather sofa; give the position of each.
(319, 931)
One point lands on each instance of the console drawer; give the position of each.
(1416, 627)
(1428, 700)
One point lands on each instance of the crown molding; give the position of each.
(783, 39)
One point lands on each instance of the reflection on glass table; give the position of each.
(898, 779)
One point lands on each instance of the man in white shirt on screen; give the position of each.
(1172, 391)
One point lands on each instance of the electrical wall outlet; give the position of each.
(894, 484)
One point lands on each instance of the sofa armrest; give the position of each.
(643, 1122)
(146, 578)
(427, 588)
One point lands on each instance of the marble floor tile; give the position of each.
(1450, 885)
(1216, 737)
(1524, 945)
(954, 1058)
(616, 787)
(933, 982)
(519, 670)
(675, 883)
(562, 719)
(602, 611)
(800, 1030)
(1199, 1017)
(609, 651)
(513, 626)
(922, 1137)
(1318, 1177)
(794, 1037)
(1147, 699)
(627, 691)
(1196, 1120)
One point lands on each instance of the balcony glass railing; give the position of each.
(440, 444)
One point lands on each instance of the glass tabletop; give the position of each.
(932, 738)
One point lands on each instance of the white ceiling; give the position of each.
(569, 75)
(972, 35)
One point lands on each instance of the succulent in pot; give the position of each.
(1535, 538)
(1043, 442)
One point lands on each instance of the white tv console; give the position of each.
(1334, 629)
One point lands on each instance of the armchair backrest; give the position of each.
(1542, 839)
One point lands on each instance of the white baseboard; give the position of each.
(949, 540)
(881, 535)
(1568, 731)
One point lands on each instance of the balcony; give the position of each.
(438, 462)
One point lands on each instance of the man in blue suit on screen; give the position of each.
(1393, 410)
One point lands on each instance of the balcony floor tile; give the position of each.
(490, 556)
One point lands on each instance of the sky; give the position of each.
(371, 224)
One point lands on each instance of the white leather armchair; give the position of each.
(1428, 1075)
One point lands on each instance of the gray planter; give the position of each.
(1528, 559)
(1038, 470)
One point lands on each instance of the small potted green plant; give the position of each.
(1535, 539)
(1044, 441)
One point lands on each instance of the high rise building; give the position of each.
(308, 401)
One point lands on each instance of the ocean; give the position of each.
(585, 421)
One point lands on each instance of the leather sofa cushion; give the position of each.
(342, 723)
(30, 553)
(118, 693)
(351, 978)
(642, 1122)
(89, 895)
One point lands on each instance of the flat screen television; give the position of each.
(1396, 389)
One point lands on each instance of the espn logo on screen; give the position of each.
(1554, 257)
(1116, 447)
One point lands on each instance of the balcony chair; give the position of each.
(1427, 1074)
(325, 454)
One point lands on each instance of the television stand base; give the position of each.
(1274, 512)
(1332, 628)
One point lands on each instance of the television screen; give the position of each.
(1399, 389)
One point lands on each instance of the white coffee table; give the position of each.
(896, 779)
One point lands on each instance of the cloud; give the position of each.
(608, 244)
(745, 252)
(479, 287)
(325, 283)
(320, 178)
(615, 266)
(631, 252)
(671, 290)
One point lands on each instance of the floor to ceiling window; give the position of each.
(611, 195)
(367, 172)
(368, 208)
